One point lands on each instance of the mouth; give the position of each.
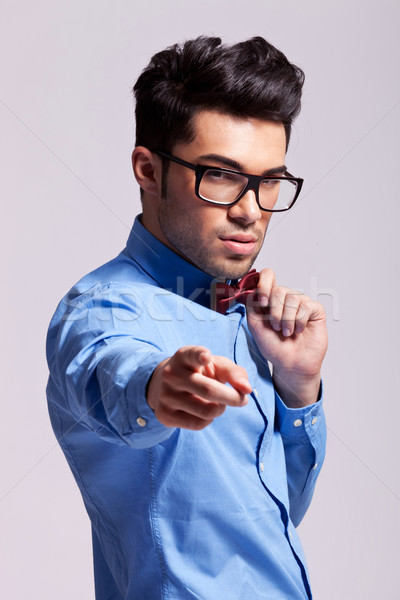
(239, 243)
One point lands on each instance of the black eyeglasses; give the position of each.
(226, 187)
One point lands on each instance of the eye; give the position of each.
(270, 183)
(221, 176)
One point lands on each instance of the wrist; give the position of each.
(296, 389)
(153, 387)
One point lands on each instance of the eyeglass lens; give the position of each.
(225, 188)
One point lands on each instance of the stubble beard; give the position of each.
(180, 232)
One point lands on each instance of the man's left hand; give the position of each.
(290, 331)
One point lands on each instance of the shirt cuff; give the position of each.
(303, 423)
(146, 429)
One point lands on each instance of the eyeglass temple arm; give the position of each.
(175, 159)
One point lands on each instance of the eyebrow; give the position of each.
(237, 166)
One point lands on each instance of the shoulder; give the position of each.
(114, 289)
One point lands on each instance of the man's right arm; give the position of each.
(102, 348)
(111, 375)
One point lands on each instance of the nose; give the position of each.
(247, 209)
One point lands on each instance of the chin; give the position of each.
(232, 269)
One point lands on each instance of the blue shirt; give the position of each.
(177, 514)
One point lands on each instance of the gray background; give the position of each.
(69, 198)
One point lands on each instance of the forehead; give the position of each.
(254, 143)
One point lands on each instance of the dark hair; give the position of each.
(248, 79)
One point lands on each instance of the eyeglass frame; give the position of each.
(253, 181)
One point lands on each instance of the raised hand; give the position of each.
(290, 331)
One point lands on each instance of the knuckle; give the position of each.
(277, 298)
(181, 352)
(205, 391)
(168, 376)
(267, 278)
(200, 424)
(201, 386)
(164, 416)
(275, 313)
(281, 290)
(267, 273)
(302, 313)
(293, 299)
(209, 411)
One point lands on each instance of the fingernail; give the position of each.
(286, 331)
(244, 382)
(263, 301)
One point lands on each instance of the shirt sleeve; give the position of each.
(101, 356)
(303, 432)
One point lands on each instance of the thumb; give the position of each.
(194, 357)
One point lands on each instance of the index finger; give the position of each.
(192, 357)
(226, 371)
(265, 284)
(213, 391)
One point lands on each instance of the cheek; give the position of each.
(207, 218)
(262, 226)
(265, 219)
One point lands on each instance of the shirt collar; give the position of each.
(168, 269)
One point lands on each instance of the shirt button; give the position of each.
(298, 423)
(315, 466)
(315, 419)
(141, 422)
(261, 466)
(290, 535)
(255, 392)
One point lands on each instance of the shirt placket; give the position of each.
(239, 313)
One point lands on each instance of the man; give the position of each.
(195, 465)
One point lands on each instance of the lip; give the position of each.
(239, 244)
(239, 237)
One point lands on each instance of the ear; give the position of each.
(147, 169)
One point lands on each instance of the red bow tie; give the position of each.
(225, 294)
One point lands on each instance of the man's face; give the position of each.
(222, 241)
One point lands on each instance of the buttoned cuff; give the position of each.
(300, 424)
(146, 430)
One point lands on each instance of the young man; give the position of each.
(195, 465)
